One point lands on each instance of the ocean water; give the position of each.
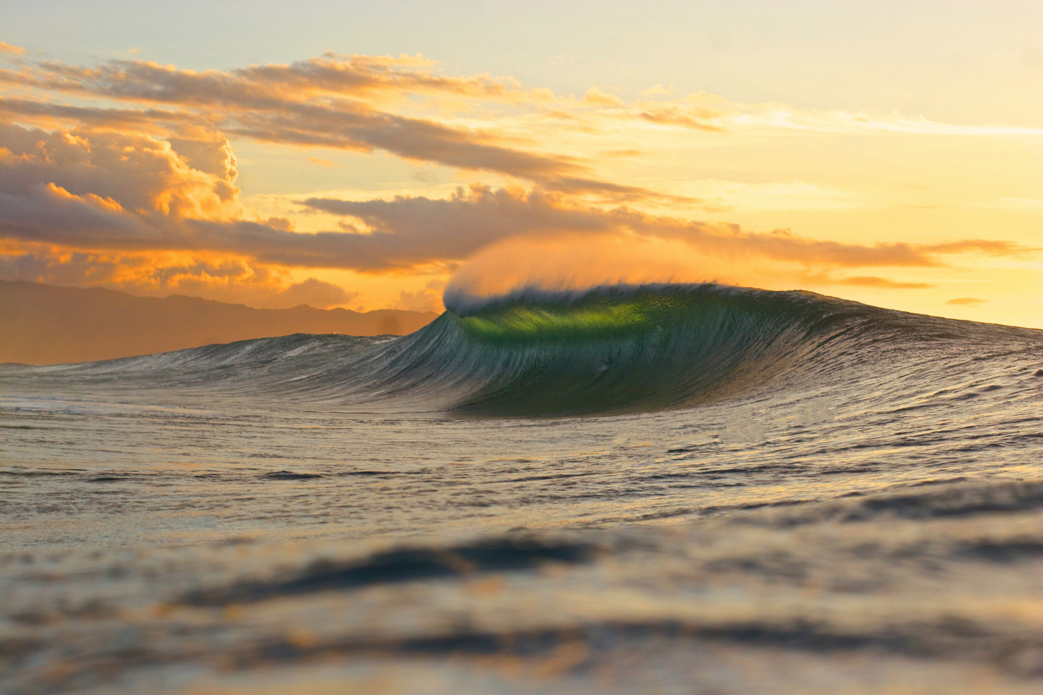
(657, 489)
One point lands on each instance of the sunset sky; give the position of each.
(364, 154)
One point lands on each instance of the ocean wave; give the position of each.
(604, 351)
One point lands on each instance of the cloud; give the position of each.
(159, 121)
(324, 102)
(697, 111)
(349, 126)
(137, 172)
(315, 293)
(659, 91)
(8, 48)
(366, 103)
(884, 283)
(841, 122)
(407, 229)
(357, 127)
(967, 301)
(99, 189)
(595, 96)
(223, 279)
(319, 161)
(673, 115)
(427, 299)
(113, 190)
(1021, 203)
(991, 247)
(331, 102)
(356, 76)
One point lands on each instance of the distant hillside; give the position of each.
(43, 324)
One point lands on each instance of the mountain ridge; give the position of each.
(49, 324)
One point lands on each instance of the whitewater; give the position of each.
(647, 489)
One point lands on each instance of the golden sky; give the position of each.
(369, 181)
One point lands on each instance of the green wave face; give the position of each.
(604, 316)
(614, 350)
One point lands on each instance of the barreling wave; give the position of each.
(634, 348)
(609, 350)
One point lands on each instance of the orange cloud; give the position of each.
(427, 299)
(138, 172)
(8, 48)
(160, 274)
(967, 301)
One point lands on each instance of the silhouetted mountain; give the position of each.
(44, 324)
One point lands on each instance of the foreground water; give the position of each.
(659, 489)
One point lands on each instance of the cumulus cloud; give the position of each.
(93, 189)
(427, 299)
(134, 172)
(316, 293)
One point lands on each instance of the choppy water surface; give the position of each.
(659, 489)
